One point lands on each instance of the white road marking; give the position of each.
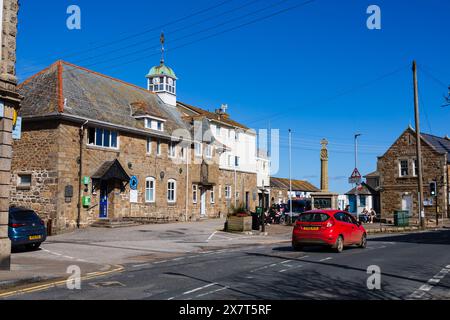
(200, 288)
(326, 259)
(211, 236)
(211, 292)
(287, 261)
(291, 268)
(419, 293)
(425, 287)
(159, 262)
(141, 265)
(178, 259)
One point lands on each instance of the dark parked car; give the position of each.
(298, 207)
(26, 228)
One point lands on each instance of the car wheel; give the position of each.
(363, 243)
(33, 246)
(296, 246)
(339, 246)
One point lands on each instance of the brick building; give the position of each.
(9, 104)
(94, 147)
(397, 174)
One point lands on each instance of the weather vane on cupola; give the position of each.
(163, 40)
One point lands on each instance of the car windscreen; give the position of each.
(297, 206)
(23, 215)
(313, 217)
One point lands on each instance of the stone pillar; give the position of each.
(324, 167)
(10, 100)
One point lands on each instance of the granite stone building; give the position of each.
(397, 174)
(9, 105)
(95, 148)
(280, 188)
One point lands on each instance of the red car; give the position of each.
(332, 228)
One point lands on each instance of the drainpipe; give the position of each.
(80, 172)
(187, 182)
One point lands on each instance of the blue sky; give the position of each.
(316, 69)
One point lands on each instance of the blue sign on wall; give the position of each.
(17, 130)
(134, 183)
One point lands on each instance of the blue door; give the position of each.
(352, 203)
(104, 200)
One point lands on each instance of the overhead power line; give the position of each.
(262, 18)
(146, 31)
(334, 97)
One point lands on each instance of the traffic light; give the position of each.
(433, 189)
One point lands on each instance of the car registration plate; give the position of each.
(311, 228)
(35, 237)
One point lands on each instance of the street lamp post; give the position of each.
(357, 135)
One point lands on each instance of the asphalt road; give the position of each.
(413, 266)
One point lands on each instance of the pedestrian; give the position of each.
(365, 216)
(372, 215)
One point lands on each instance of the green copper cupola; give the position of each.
(162, 80)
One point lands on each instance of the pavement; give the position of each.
(174, 261)
(105, 250)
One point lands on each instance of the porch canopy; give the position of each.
(111, 170)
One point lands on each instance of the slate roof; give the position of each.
(441, 145)
(64, 88)
(365, 190)
(199, 112)
(297, 185)
(111, 170)
(374, 174)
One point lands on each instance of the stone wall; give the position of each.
(11, 101)
(246, 183)
(51, 153)
(36, 154)
(394, 187)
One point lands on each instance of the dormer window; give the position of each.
(154, 124)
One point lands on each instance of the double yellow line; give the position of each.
(57, 283)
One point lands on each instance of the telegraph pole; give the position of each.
(419, 147)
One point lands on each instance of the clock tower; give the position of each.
(163, 81)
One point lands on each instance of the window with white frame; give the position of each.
(158, 147)
(171, 191)
(154, 124)
(404, 168)
(198, 149)
(149, 145)
(230, 134)
(415, 167)
(230, 160)
(172, 150)
(209, 151)
(104, 138)
(237, 161)
(227, 192)
(24, 180)
(150, 190)
(212, 196)
(183, 153)
(194, 193)
(217, 131)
